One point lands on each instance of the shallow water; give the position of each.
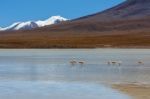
(44, 74)
(56, 90)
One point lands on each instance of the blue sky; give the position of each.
(24, 10)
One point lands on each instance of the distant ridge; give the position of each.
(29, 25)
(130, 12)
(129, 9)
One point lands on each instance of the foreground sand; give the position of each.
(136, 91)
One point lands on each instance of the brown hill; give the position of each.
(126, 25)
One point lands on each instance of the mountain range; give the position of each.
(32, 25)
(125, 25)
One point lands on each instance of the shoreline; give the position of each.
(134, 90)
(77, 48)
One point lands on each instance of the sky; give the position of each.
(25, 10)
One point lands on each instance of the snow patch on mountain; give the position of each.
(26, 25)
(10, 27)
(31, 24)
(51, 20)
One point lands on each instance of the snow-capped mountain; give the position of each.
(21, 26)
(33, 24)
(51, 20)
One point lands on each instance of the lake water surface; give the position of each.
(48, 74)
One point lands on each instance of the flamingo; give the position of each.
(73, 62)
(81, 62)
(140, 62)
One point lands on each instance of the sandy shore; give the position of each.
(136, 91)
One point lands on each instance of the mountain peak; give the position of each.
(51, 20)
(57, 17)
